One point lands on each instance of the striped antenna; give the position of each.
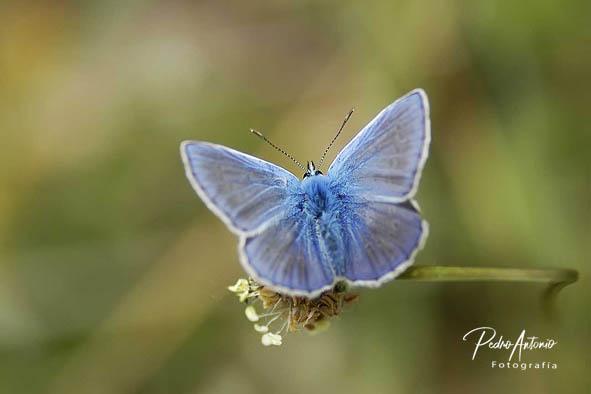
(261, 136)
(336, 136)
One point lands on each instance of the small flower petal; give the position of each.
(240, 287)
(260, 328)
(251, 313)
(271, 339)
(243, 296)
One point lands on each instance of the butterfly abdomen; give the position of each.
(324, 206)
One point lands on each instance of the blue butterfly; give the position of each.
(357, 223)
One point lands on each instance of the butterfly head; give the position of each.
(312, 171)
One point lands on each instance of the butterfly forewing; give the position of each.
(385, 159)
(244, 191)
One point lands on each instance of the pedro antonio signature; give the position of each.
(487, 337)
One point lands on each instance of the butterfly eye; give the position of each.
(307, 174)
(318, 173)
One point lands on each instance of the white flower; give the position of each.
(271, 339)
(243, 296)
(251, 313)
(240, 287)
(260, 328)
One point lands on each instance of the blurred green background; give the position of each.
(113, 273)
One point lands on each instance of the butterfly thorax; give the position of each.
(317, 194)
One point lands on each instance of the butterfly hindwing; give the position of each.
(381, 241)
(287, 256)
(386, 157)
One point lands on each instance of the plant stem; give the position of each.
(435, 273)
(555, 278)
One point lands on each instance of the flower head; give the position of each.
(283, 313)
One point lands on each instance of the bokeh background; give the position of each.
(113, 273)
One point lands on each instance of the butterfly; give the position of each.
(357, 223)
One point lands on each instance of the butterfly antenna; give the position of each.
(336, 136)
(261, 136)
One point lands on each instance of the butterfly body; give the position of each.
(358, 222)
(325, 205)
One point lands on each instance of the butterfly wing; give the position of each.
(380, 170)
(258, 201)
(242, 190)
(386, 157)
(287, 257)
(381, 241)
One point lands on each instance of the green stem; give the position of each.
(435, 273)
(555, 278)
